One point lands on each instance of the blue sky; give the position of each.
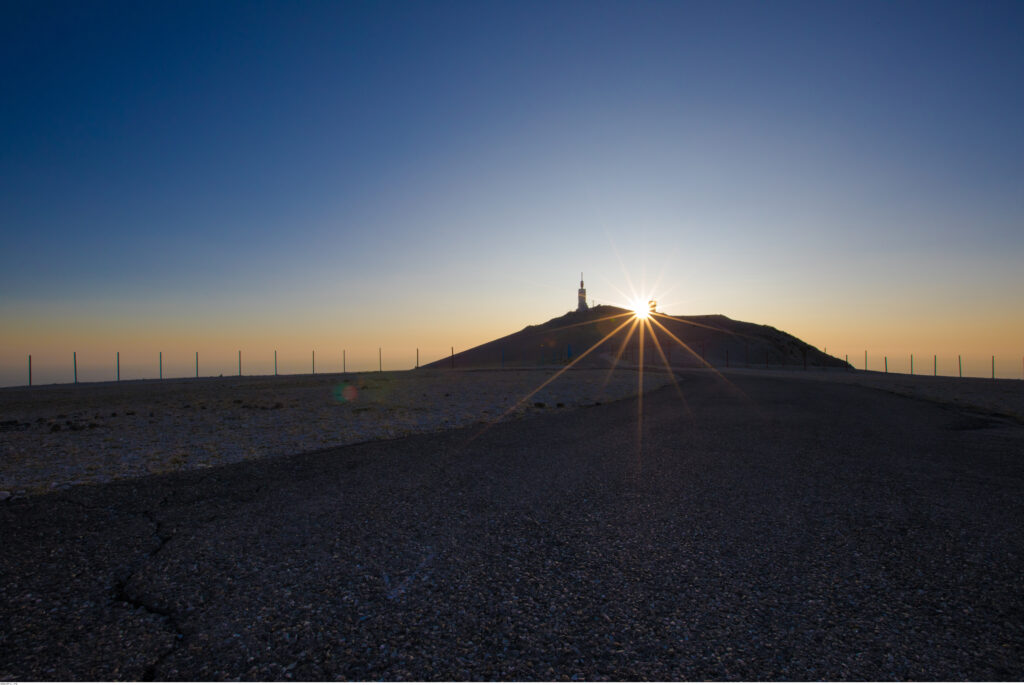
(357, 174)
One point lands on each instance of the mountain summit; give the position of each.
(712, 339)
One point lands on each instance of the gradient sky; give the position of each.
(210, 177)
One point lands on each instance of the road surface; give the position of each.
(771, 529)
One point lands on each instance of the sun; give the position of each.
(639, 324)
(642, 309)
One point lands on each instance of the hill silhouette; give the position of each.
(713, 339)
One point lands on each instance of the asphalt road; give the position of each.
(784, 529)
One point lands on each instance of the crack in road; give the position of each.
(121, 594)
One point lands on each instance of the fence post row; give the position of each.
(380, 362)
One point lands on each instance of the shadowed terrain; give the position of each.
(714, 339)
(772, 529)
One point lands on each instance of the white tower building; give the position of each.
(582, 306)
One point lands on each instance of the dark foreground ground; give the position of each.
(802, 530)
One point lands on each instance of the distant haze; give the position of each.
(214, 177)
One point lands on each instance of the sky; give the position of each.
(343, 177)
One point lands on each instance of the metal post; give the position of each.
(935, 366)
(197, 365)
(74, 359)
(343, 361)
(911, 365)
(118, 366)
(960, 363)
(239, 362)
(314, 362)
(453, 357)
(993, 367)
(865, 360)
(275, 362)
(417, 357)
(886, 364)
(161, 365)
(30, 370)
(380, 361)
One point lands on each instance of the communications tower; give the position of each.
(582, 306)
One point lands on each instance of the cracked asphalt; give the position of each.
(775, 529)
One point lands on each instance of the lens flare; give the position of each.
(638, 326)
(641, 309)
(345, 392)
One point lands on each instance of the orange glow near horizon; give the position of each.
(947, 343)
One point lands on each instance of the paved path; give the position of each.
(784, 529)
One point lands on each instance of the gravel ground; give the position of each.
(52, 437)
(759, 530)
